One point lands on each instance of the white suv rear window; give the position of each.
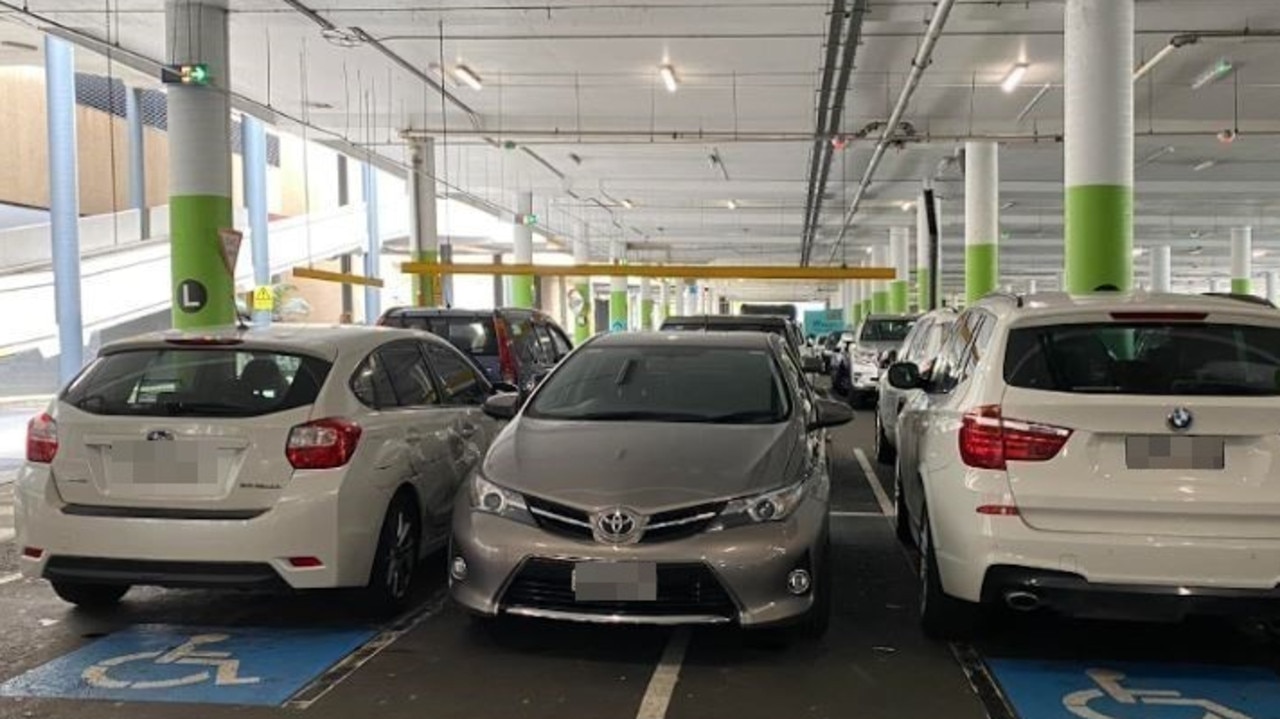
(197, 383)
(1146, 358)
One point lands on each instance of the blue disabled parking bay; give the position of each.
(160, 663)
(1136, 690)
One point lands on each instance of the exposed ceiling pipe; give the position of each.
(817, 152)
(853, 37)
(922, 60)
(1181, 40)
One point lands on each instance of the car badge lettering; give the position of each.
(1180, 419)
(159, 435)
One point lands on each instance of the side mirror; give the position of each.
(504, 405)
(830, 413)
(905, 376)
(812, 365)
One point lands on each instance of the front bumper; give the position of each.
(865, 379)
(736, 575)
(314, 518)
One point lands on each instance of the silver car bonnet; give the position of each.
(647, 466)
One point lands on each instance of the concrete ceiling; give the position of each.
(576, 82)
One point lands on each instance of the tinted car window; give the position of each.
(461, 383)
(545, 343)
(409, 375)
(562, 343)
(524, 342)
(665, 384)
(885, 330)
(197, 383)
(1155, 358)
(471, 334)
(371, 384)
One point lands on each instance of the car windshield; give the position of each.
(197, 383)
(1146, 359)
(887, 330)
(665, 384)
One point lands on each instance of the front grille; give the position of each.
(661, 527)
(683, 589)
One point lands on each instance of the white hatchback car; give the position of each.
(921, 346)
(284, 457)
(1109, 455)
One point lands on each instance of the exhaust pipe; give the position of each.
(1021, 601)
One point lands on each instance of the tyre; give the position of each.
(395, 565)
(942, 616)
(90, 596)
(902, 515)
(885, 452)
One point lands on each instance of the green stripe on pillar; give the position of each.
(898, 297)
(879, 302)
(1099, 237)
(203, 290)
(427, 289)
(866, 310)
(1242, 286)
(981, 263)
(522, 291)
(646, 314)
(582, 323)
(618, 311)
(855, 314)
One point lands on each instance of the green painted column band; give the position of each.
(855, 314)
(203, 289)
(898, 297)
(426, 288)
(981, 266)
(1242, 286)
(618, 311)
(879, 302)
(866, 310)
(924, 285)
(1099, 230)
(582, 322)
(522, 291)
(646, 314)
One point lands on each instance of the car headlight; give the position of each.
(489, 498)
(772, 506)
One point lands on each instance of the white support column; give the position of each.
(582, 286)
(880, 288)
(1242, 260)
(1031, 287)
(981, 218)
(1161, 269)
(1272, 279)
(424, 231)
(900, 257)
(522, 238)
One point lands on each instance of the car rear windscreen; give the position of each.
(886, 330)
(1148, 358)
(197, 383)
(473, 335)
(664, 384)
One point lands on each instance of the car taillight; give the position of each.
(988, 440)
(322, 444)
(42, 439)
(506, 358)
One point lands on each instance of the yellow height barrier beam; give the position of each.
(344, 278)
(693, 272)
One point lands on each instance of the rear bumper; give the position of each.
(1074, 595)
(314, 518)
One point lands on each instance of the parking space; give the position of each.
(317, 653)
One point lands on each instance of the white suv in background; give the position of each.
(921, 346)
(289, 457)
(1108, 455)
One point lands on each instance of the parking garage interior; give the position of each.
(509, 186)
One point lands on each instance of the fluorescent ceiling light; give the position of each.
(1008, 205)
(1035, 101)
(1014, 78)
(1204, 165)
(1259, 254)
(1139, 251)
(1213, 73)
(628, 203)
(669, 78)
(908, 206)
(1156, 59)
(732, 204)
(467, 75)
(1166, 150)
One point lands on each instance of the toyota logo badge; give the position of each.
(1180, 419)
(617, 525)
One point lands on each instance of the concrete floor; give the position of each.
(873, 664)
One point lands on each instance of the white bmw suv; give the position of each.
(1109, 455)
(285, 457)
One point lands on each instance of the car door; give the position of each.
(428, 429)
(893, 399)
(463, 392)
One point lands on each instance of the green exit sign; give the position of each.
(529, 220)
(188, 74)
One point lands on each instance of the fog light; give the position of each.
(458, 569)
(799, 582)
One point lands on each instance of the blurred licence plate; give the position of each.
(615, 581)
(1166, 452)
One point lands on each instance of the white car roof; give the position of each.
(1053, 303)
(324, 341)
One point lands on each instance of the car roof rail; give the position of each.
(1015, 297)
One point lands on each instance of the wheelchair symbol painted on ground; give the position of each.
(1087, 703)
(222, 668)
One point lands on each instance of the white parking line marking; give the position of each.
(325, 683)
(10, 578)
(6, 535)
(883, 499)
(662, 685)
